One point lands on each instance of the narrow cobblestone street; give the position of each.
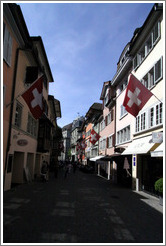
(83, 208)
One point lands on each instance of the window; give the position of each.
(18, 115)
(123, 135)
(31, 74)
(159, 114)
(32, 127)
(123, 86)
(94, 151)
(110, 141)
(122, 111)
(156, 32)
(156, 115)
(158, 70)
(141, 54)
(106, 99)
(153, 76)
(148, 45)
(150, 118)
(102, 125)
(110, 117)
(141, 122)
(136, 61)
(7, 45)
(103, 143)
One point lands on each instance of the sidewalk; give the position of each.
(150, 200)
(82, 208)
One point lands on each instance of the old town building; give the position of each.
(27, 140)
(92, 122)
(66, 132)
(147, 52)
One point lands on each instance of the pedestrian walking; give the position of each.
(44, 171)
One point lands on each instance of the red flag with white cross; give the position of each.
(136, 96)
(83, 145)
(94, 137)
(34, 98)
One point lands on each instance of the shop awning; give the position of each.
(96, 158)
(158, 152)
(139, 146)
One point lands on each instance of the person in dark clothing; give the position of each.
(44, 171)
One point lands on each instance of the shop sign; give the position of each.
(157, 137)
(22, 142)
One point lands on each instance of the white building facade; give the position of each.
(147, 50)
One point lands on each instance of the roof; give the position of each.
(39, 39)
(94, 108)
(153, 15)
(67, 127)
(19, 20)
(105, 86)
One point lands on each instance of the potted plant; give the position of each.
(159, 188)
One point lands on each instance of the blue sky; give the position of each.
(83, 42)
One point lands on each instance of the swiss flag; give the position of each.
(94, 137)
(34, 98)
(136, 96)
(83, 145)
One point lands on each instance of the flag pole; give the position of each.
(7, 105)
(157, 98)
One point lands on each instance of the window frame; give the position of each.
(18, 115)
(149, 80)
(32, 126)
(123, 135)
(137, 60)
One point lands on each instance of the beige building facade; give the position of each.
(23, 155)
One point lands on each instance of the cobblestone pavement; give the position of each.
(83, 208)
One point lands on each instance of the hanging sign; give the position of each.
(22, 142)
(157, 137)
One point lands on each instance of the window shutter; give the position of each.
(113, 140)
(112, 115)
(106, 120)
(107, 142)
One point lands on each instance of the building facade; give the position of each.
(75, 136)
(106, 164)
(27, 141)
(147, 50)
(66, 132)
(124, 121)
